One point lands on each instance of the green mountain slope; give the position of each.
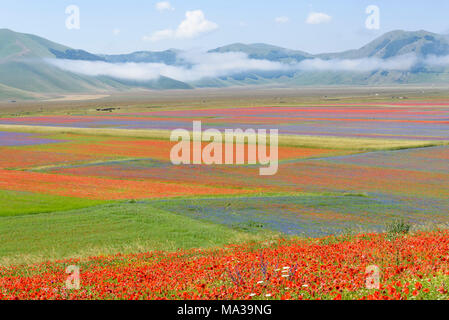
(14, 45)
(397, 43)
(40, 77)
(12, 94)
(24, 74)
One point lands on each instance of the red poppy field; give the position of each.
(411, 267)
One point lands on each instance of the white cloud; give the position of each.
(160, 35)
(116, 31)
(211, 65)
(318, 18)
(204, 65)
(194, 24)
(401, 63)
(164, 6)
(282, 19)
(437, 61)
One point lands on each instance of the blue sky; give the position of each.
(124, 26)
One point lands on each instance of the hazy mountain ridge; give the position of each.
(266, 52)
(397, 43)
(24, 72)
(169, 57)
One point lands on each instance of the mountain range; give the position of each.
(25, 74)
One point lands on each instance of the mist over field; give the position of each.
(195, 66)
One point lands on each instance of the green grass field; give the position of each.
(107, 229)
(22, 203)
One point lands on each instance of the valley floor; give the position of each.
(98, 191)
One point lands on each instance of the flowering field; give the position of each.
(21, 139)
(315, 197)
(377, 172)
(114, 205)
(411, 267)
(400, 121)
(160, 149)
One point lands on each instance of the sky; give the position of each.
(314, 26)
